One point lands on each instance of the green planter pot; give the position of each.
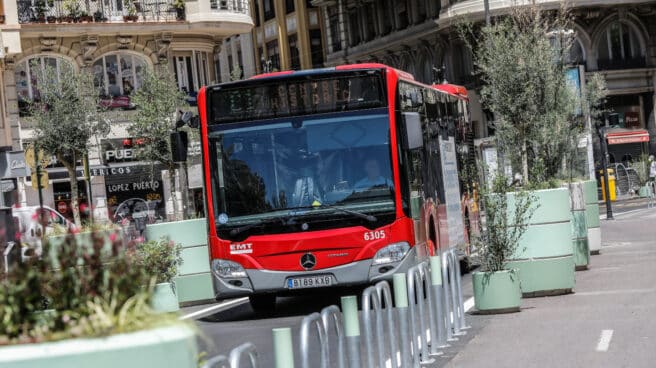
(544, 257)
(193, 284)
(644, 192)
(497, 292)
(579, 226)
(164, 299)
(173, 346)
(592, 216)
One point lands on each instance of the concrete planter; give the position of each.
(497, 292)
(193, 284)
(164, 299)
(579, 226)
(173, 346)
(544, 257)
(592, 216)
(644, 191)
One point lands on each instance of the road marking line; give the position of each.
(611, 292)
(215, 308)
(604, 340)
(469, 304)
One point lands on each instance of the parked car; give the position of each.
(31, 231)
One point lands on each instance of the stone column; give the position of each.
(247, 54)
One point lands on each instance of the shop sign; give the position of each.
(125, 150)
(13, 164)
(111, 171)
(632, 119)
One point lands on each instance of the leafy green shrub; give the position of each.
(94, 290)
(160, 259)
(505, 223)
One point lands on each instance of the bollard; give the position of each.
(425, 272)
(333, 314)
(282, 347)
(351, 329)
(219, 361)
(385, 295)
(314, 318)
(238, 352)
(417, 328)
(440, 325)
(401, 303)
(461, 305)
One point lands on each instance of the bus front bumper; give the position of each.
(275, 282)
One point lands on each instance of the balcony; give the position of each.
(615, 64)
(218, 18)
(95, 11)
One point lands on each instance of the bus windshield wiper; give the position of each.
(270, 220)
(370, 218)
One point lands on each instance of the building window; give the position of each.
(269, 10)
(403, 14)
(619, 48)
(118, 74)
(26, 74)
(576, 55)
(335, 32)
(289, 6)
(316, 48)
(354, 27)
(370, 19)
(294, 53)
(256, 13)
(192, 72)
(274, 55)
(462, 65)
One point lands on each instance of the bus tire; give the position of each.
(263, 304)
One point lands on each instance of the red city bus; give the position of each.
(326, 178)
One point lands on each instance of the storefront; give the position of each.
(626, 145)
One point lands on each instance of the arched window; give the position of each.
(619, 47)
(26, 74)
(118, 74)
(576, 54)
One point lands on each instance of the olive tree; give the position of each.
(158, 101)
(522, 60)
(66, 115)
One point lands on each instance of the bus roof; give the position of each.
(453, 89)
(308, 72)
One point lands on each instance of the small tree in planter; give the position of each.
(160, 259)
(158, 101)
(66, 116)
(507, 214)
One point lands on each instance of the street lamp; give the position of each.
(601, 131)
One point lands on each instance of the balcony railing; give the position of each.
(85, 11)
(235, 6)
(614, 64)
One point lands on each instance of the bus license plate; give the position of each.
(309, 282)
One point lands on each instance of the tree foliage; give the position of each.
(522, 60)
(66, 115)
(158, 101)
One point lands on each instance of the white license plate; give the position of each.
(309, 282)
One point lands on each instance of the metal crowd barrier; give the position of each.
(373, 298)
(234, 361)
(429, 313)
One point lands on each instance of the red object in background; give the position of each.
(127, 142)
(62, 207)
(84, 208)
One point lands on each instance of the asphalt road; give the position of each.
(612, 304)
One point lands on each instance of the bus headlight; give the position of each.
(391, 253)
(228, 269)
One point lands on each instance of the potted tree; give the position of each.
(160, 260)
(72, 7)
(497, 287)
(179, 6)
(131, 11)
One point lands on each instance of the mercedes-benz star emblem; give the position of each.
(308, 261)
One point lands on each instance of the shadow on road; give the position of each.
(287, 306)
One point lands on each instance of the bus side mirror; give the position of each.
(414, 137)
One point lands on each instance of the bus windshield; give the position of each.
(302, 165)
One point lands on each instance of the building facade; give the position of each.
(115, 40)
(614, 38)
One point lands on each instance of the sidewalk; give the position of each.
(608, 321)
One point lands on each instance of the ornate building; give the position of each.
(115, 40)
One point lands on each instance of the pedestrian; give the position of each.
(652, 181)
